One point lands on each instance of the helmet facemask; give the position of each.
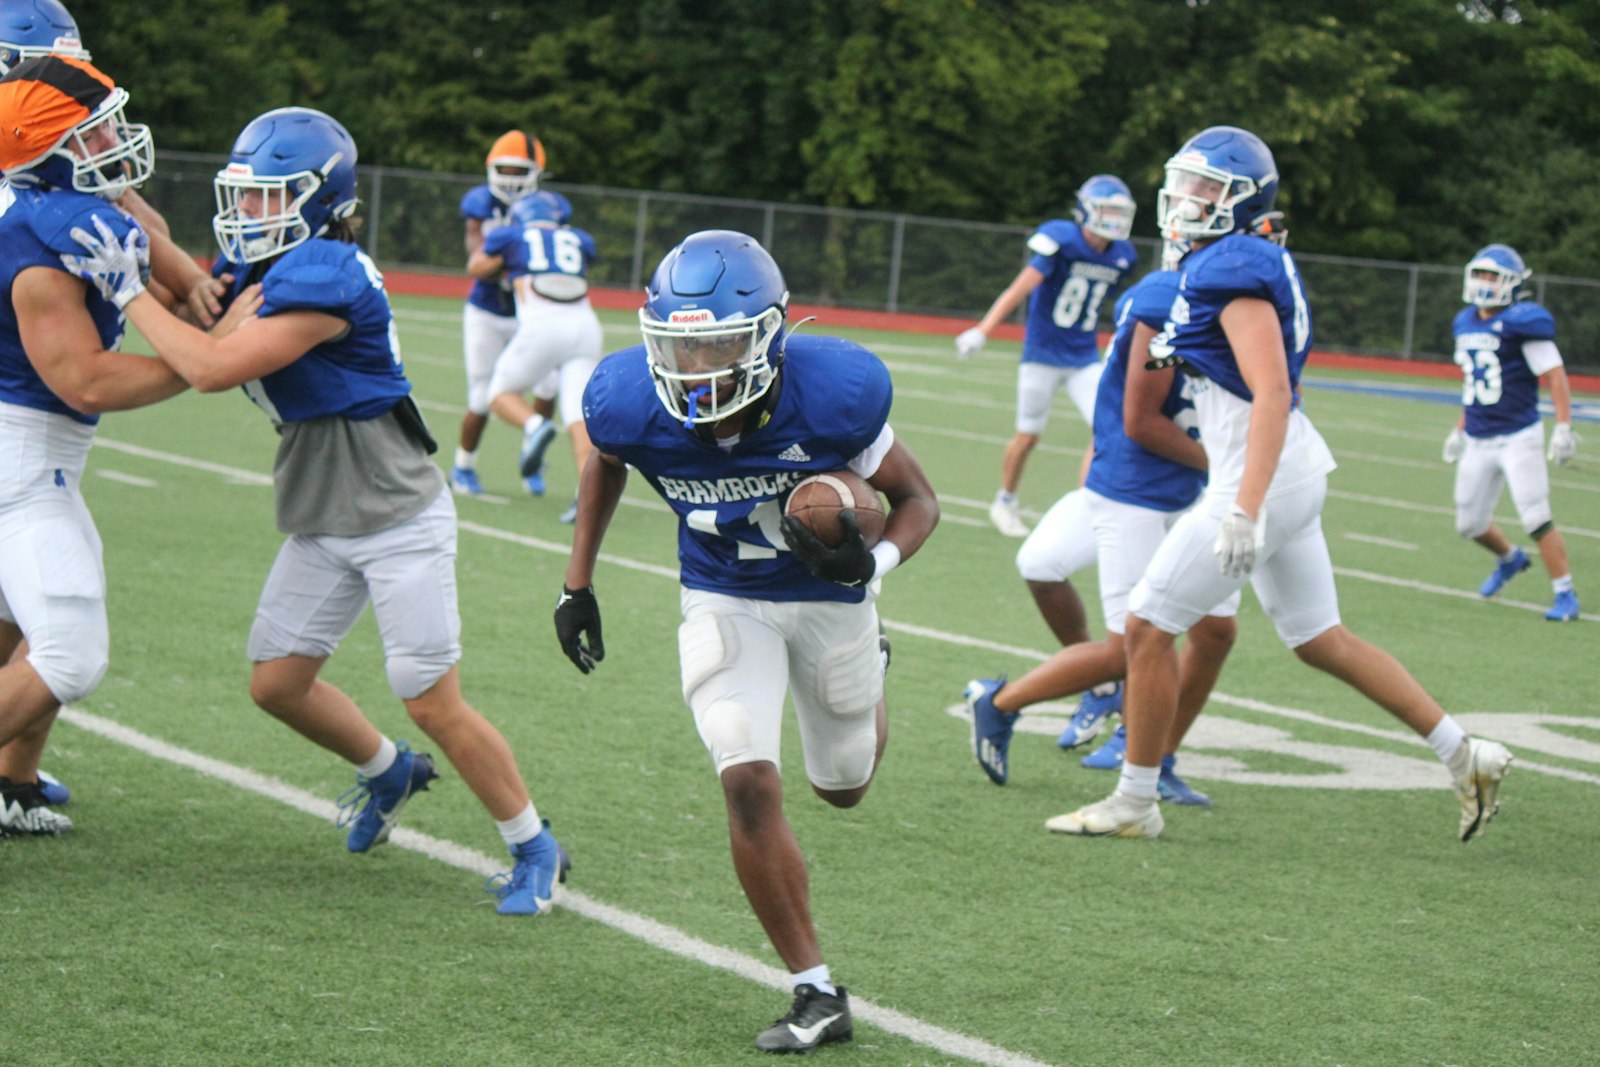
(1110, 217)
(706, 370)
(109, 154)
(1487, 283)
(277, 220)
(1196, 201)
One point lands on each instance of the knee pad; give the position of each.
(1037, 563)
(478, 395)
(725, 728)
(412, 675)
(71, 664)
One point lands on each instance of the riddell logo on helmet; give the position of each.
(241, 169)
(1192, 157)
(692, 316)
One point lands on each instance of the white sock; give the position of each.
(520, 828)
(466, 460)
(1511, 554)
(1008, 499)
(385, 758)
(1138, 781)
(1105, 689)
(817, 976)
(1446, 739)
(1562, 584)
(533, 423)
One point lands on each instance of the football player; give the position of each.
(1147, 469)
(366, 511)
(30, 28)
(1240, 328)
(1074, 265)
(68, 153)
(489, 321)
(547, 262)
(723, 412)
(1506, 348)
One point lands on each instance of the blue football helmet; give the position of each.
(543, 208)
(295, 169)
(31, 28)
(712, 314)
(68, 131)
(1219, 182)
(1493, 277)
(1104, 206)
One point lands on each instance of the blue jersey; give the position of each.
(543, 252)
(358, 374)
(832, 403)
(492, 295)
(1064, 311)
(36, 231)
(1234, 267)
(1500, 391)
(1122, 469)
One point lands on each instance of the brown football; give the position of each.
(817, 501)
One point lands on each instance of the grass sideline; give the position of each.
(189, 921)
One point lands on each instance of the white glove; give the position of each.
(116, 268)
(969, 343)
(1563, 444)
(1454, 445)
(1238, 540)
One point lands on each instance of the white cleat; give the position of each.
(1478, 789)
(1007, 520)
(1118, 815)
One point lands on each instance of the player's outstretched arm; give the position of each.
(256, 348)
(577, 616)
(1026, 281)
(1142, 400)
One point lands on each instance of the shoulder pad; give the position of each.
(1152, 297)
(1051, 236)
(319, 275)
(59, 213)
(1533, 322)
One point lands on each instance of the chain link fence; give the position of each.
(877, 260)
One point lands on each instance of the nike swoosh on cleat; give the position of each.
(809, 1034)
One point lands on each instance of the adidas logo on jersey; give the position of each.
(794, 454)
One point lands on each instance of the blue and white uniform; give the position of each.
(489, 319)
(757, 622)
(364, 504)
(1060, 347)
(52, 575)
(1501, 358)
(558, 333)
(1293, 575)
(1131, 496)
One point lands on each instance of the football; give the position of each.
(817, 501)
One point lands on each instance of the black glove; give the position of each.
(578, 614)
(850, 564)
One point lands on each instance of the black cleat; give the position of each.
(25, 811)
(815, 1018)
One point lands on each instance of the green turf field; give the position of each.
(206, 913)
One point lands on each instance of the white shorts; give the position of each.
(740, 656)
(552, 340)
(319, 585)
(1037, 384)
(484, 335)
(1128, 536)
(1063, 543)
(1293, 575)
(52, 575)
(1487, 465)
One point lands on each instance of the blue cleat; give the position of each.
(372, 806)
(530, 459)
(528, 887)
(1090, 716)
(1171, 787)
(1504, 571)
(464, 482)
(534, 483)
(1565, 609)
(1109, 756)
(54, 792)
(991, 727)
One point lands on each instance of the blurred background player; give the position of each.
(68, 153)
(513, 168)
(366, 511)
(1074, 266)
(719, 393)
(1506, 348)
(1240, 328)
(31, 28)
(558, 333)
(1147, 469)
